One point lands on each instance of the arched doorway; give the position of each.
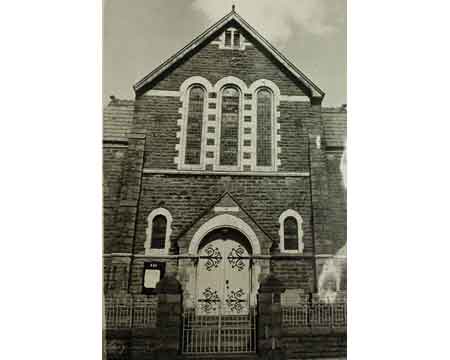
(224, 274)
(223, 317)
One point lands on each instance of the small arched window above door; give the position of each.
(291, 232)
(158, 232)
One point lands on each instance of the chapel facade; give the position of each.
(224, 207)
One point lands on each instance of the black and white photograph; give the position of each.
(224, 180)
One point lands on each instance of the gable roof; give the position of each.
(141, 86)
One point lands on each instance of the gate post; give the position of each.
(168, 321)
(270, 318)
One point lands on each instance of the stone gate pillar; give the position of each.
(270, 318)
(169, 314)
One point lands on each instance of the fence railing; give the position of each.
(128, 314)
(316, 315)
(205, 334)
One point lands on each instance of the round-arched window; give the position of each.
(264, 128)
(290, 233)
(159, 227)
(194, 127)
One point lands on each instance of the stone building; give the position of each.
(223, 202)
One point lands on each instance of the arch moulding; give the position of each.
(224, 220)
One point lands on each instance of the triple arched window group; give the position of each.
(227, 106)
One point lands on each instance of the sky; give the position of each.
(138, 35)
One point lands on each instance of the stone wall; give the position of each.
(316, 346)
(250, 64)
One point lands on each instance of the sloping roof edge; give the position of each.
(315, 90)
(203, 213)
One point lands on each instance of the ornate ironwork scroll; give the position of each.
(235, 258)
(234, 300)
(214, 257)
(208, 304)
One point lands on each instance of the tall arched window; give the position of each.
(264, 128)
(229, 129)
(291, 232)
(194, 126)
(159, 227)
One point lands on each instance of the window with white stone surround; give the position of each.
(231, 39)
(291, 232)
(264, 115)
(228, 126)
(230, 101)
(158, 231)
(194, 125)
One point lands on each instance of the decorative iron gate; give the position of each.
(223, 320)
(219, 333)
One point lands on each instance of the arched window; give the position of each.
(158, 232)
(229, 129)
(264, 128)
(159, 227)
(194, 126)
(291, 232)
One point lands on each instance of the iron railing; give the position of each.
(121, 314)
(206, 334)
(316, 315)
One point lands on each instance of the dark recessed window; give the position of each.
(194, 126)
(229, 131)
(290, 234)
(264, 128)
(227, 38)
(237, 39)
(159, 227)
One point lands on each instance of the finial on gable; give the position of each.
(233, 8)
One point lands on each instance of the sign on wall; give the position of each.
(153, 272)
